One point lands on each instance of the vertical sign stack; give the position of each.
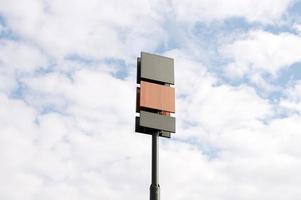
(155, 97)
(155, 102)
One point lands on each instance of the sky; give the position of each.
(67, 99)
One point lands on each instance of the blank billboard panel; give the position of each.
(156, 68)
(157, 121)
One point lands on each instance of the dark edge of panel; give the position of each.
(154, 81)
(138, 70)
(137, 99)
(149, 131)
(141, 108)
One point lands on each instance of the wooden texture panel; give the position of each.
(157, 97)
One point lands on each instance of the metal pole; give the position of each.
(155, 187)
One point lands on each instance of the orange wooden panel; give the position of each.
(157, 96)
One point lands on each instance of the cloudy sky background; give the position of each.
(67, 99)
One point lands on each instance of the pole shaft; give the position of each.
(155, 159)
(155, 187)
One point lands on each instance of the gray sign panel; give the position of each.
(157, 121)
(149, 131)
(157, 68)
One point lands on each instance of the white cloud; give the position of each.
(292, 101)
(20, 56)
(203, 100)
(2, 28)
(244, 150)
(74, 153)
(254, 162)
(99, 29)
(71, 133)
(91, 143)
(17, 59)
(297, 27)
(261, 52)
(208, 10)
(91, 28)
(17, 131)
